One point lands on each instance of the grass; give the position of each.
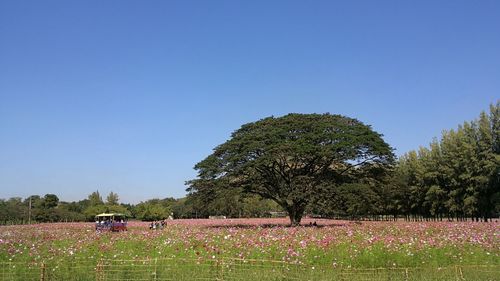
(204, 250)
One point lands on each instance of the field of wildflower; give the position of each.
(201, 248)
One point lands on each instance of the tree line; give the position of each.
(48, 208)
(456, 176)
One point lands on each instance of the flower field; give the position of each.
(332, 244)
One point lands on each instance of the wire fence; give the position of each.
(231, 269)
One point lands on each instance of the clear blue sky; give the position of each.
(128, 95)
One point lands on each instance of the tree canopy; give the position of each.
(291, 159)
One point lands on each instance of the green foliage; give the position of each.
(154, 209)
(457, 176)
(43, 209)
(50, 201)
(95, 198)
(287, 159)
(233, 203)
(94, 210)
(12, 211)
(112, 198)
(352, 200)
(184, 208)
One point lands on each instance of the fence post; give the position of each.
(341, 272)
(98, 271)
(42, 272)
(461, 274)
(222, 269)
(219, 269)
(155, 273)
(283, 271)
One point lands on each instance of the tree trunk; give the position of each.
(295, 213)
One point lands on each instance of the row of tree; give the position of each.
(50, 209)
(456, 176)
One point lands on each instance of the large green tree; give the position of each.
(289, 159)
